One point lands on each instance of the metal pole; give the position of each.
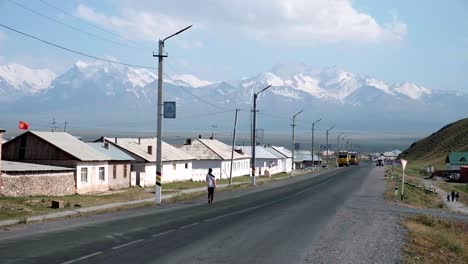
(254, 126)
(159, 123)
(293, 142)
(159, 114)
(402, 185)
(233, 145)
(294, 137)
(313, 131)
(327, 141)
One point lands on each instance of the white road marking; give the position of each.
(163, 233)
(84, 257)
(128, 244)
(266, 204)
(187, 226)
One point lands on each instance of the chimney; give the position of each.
(106, 145)
(199, 136)
(211, 138)
(240, 151)
(1, 140)
(188, 141)
(139, 140)
(150, 150)
(115, 140)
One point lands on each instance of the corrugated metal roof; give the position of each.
(283, 151)
(72, 145)
(111, 151)
(169, 153)
(457, 158)
(304, 155)
(210, 149)
(261, 152)
(12, 166)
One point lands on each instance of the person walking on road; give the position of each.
(457, 196)
(211, 183)
(448, 197)
(453, 195)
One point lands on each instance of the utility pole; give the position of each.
(338, 142)
(233, 146)
(53, 126)
(327, 140)
(342, 143)
(313, 130)
(65, 126)
(160, 114)
(347, 145)
(294, 137)
(254, 127)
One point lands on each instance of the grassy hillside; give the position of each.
(434, 148)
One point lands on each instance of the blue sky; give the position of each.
(421, 41)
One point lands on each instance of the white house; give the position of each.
(61, 149)
(211, 153)
(287, 160)
(267, 160)
(177, 165)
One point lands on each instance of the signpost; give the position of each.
(403, 165)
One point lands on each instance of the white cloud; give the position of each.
(138, 25)
(291, 21)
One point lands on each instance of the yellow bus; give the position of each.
(343, 159)
(354, 159)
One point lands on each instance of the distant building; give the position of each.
(64, 150)
(287, 154)
(119, 167)
(177, 165)
(267, 160)
(303, 159)
(455, 160)
(211, 153)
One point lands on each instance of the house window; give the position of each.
(84, 174)
(125, 171)
(114, 171)
(186, 165)
(174, 166)
(101, 174)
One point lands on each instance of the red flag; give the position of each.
(23, 125)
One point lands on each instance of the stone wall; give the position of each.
(30, 184)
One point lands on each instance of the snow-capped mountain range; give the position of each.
(109, 91)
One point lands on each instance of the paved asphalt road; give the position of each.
(275, 224)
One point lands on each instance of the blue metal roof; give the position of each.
(111, 151)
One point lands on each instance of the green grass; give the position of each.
(413, 197)
(19, 207)
(432, 150)
(433, 240)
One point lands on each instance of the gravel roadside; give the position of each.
(363, 230)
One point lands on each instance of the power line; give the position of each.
(198, 97)
(90, 24)
(68, 26)
(76, 52)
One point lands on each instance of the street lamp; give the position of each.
(161, 56)
(313, 129)
(254, 127)
(327, 140)
(294, 137)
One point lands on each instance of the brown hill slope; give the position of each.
(434, 148)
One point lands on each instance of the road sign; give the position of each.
(169, 109)
(403, 163)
